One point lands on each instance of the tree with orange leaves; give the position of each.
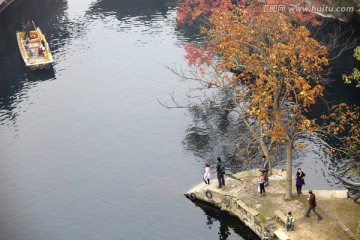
(340, 133)
(344, 125)
(278, 74)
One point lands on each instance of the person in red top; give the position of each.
(312, 205)
(40, 51)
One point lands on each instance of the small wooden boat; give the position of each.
(34, 49)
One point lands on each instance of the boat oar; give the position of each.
(33, 24)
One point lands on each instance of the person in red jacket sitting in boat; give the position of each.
(41, 50)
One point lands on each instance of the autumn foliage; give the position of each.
(198, 11)
(278, 61)
(355, 76)
(191, 11)
(343, 124)
(278, 69)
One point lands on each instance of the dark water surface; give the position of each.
(86, 150)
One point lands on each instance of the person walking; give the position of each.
(207, 174)
(261, 180)
(220, 171)
(300, 175)
(312, 205)
(265, 168)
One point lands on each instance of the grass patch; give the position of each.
(346, 210)
(355, 170)
(262, 217)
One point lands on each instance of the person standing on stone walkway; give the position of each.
(265, 168)
(220, 172)
(261, 180)
(312, 205)
(207, 174)
(300, 175)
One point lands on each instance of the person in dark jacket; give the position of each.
(220, 171)
(265, 169)
(312, 205)
(300, 175)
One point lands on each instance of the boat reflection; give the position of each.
(41, 75)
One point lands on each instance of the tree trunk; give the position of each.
(288, 183)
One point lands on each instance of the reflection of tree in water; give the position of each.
(146, 12)
(144, 9)
(227, 223)
(217, 131)
(209, 124)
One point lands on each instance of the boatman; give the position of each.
(27, 28)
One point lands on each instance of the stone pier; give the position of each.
(264, 215)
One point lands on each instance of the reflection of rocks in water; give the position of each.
(144, 9)
(218, 131)
(223, 121)
(196, 141)
(213, 133)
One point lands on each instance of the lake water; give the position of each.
(86, 150)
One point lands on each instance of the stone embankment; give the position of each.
(4, 4)
(265, 215)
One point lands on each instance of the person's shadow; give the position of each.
(223, 231)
